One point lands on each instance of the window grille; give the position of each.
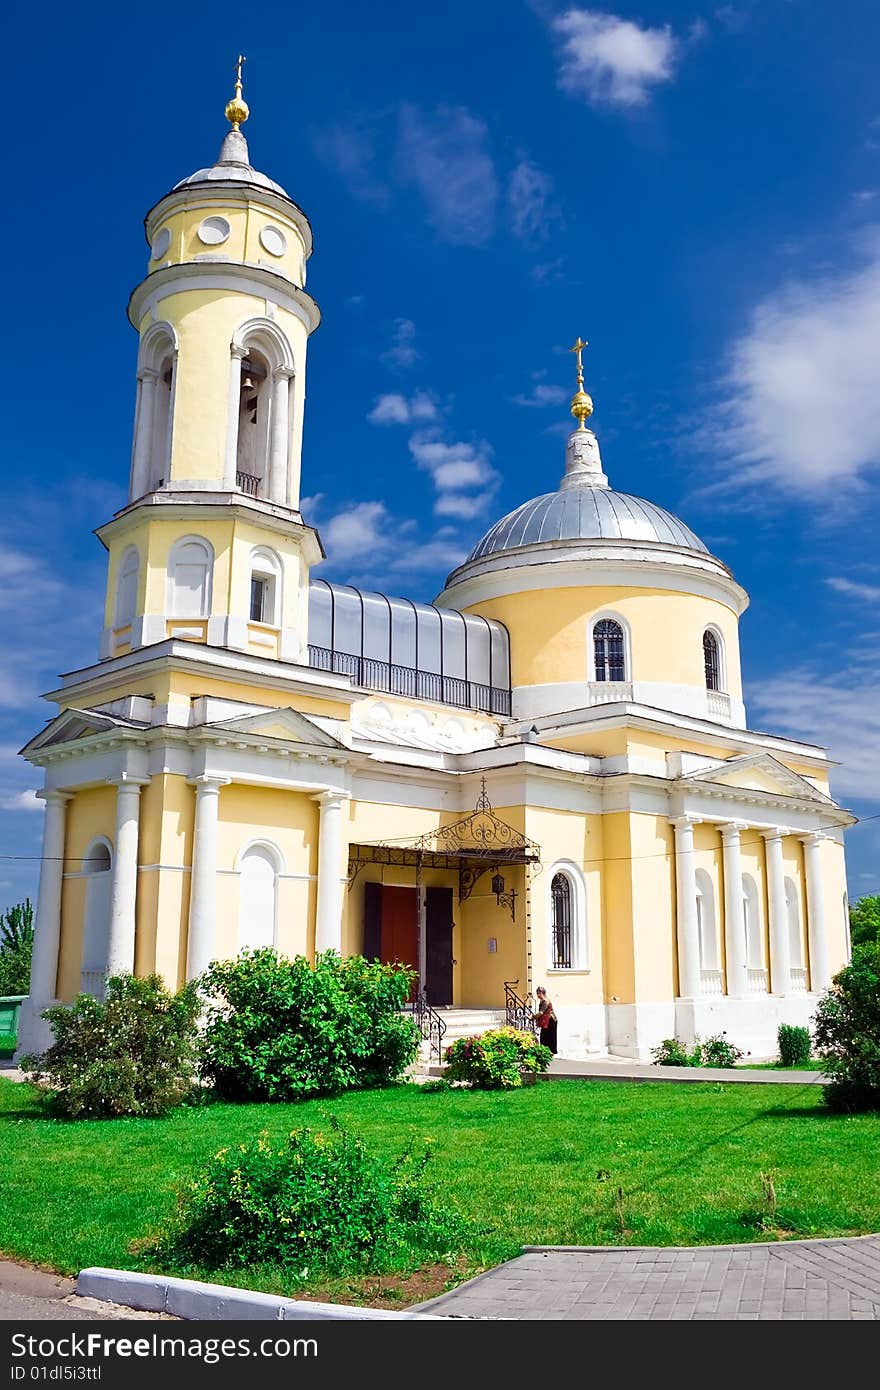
(711, 661)
(560, 890)
(609, 651)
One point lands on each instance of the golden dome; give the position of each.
(237, 110)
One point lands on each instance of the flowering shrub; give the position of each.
(312, 1202)
(133, 1053)
(281, 1029)
(707, 1052)
(496, 1060)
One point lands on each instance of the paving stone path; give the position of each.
(804, 1279)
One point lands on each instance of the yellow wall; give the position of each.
(548, 632)
(243, 243)
(568, 838)
(653, 907)
(90, 813)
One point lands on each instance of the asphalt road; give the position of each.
(32, 1294)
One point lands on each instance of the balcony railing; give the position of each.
(417, 685)
(712, 981)
(718, 703)
(757, 981)
(249, 483)
(603, 692)
(798, 979)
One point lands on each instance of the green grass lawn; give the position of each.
(538, 1166)
(7, 1044)
(815, 1064)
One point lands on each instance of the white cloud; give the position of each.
(841, 712)
(438, 554)
(545, 272)
(530, 201)
(455, 469)
(403, 351)
(869, 592)
(464, 506)
(351, 149)
(396, 409)
(609, 60)
(20, 801)
(360, 531)
(801, 405)
(542, 395)
(445, 156)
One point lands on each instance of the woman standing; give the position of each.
(546, 1019)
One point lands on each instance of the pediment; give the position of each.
(72, 726)
(758, 772)
(287, 725)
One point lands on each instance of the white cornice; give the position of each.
(175, 506)
(591, 564)
(221, 194)
(255, 280)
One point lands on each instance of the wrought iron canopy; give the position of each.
(474, 845)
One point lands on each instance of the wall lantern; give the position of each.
(504, 899)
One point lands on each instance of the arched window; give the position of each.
(151, 452)
(126, 588)
(752, 924)
(712, 660)
(568, 924)
(254, 408)
(706, 921)
(609, 651)
(258, 867)
(160, 435)
(260, 410)
(190, 567)
(265, 590)
(97, 868)
(793, 913)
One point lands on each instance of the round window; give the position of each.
(273, 240)
(213, 231)
(161, 242)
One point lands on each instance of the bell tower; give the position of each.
(211, 546)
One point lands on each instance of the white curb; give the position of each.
(187, 1298)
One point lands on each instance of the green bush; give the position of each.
(795, 1045)
(496, 1060)
(16, 947)
(707, 1052)
(718, 1052)
(133, 1053)
(672, 1053)
(280, 1029)
(847, 1033)
(315, 1202)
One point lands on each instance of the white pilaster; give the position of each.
(280, 446)
(233, 409)
(689, 982)
(123, 888)
(780, 949)
(143, 432)
(734, 921)
(820, 976)
(328, 923)
(34, 1034)
(203, 880)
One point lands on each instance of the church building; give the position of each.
(546, 776)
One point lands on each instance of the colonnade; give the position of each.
(741, 978)
(203, 881)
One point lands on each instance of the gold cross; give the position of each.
(241, 59)
(578, 347)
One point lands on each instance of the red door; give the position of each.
(400, 928)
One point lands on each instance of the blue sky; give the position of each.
(694, 188)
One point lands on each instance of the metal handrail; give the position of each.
(429, 1023)
(406, 680)
(518, 1011)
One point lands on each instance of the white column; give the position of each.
(734, 920)
(233, 410)
(328, 922)
(820, 976)
(143, 432)
(123, 888)
(689, 982)
(280, 446)
(203, 879)
(780, 949)
(47, 927)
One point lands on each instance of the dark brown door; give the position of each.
(400, 928)
(438, 963)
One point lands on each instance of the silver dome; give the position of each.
(233, 166)
(585, 513)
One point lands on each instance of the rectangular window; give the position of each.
(258, 600)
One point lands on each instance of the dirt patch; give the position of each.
(392, 1290)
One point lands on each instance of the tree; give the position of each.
(16, 946)
(864, 920)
